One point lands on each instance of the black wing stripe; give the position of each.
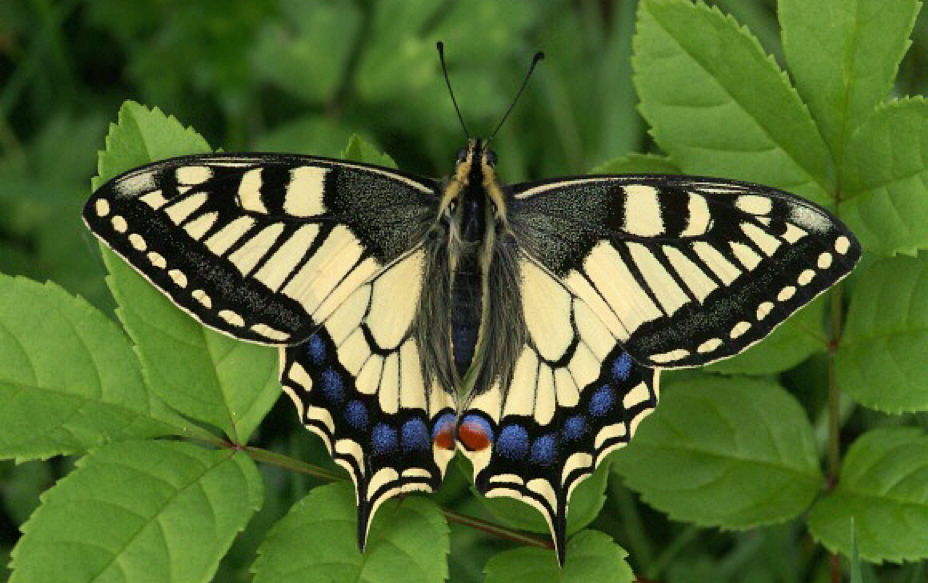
(685, 285)
(298, 250)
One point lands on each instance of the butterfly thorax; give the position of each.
(469, 208)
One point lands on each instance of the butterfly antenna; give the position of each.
(538, 56)
(444, 69)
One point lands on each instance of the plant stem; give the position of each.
(496, 530)
(288, 463)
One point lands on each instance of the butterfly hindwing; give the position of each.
(360, 384)
(683, 270)
(260, 246)
(538, 423)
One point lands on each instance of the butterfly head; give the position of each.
(472, 198)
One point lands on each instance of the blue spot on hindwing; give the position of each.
(574, 427)
(356, 414)
(601, 401)
(622, 367)
(415, 435)
(544, 450)
(383, 439)
(332, 385)
(513, 442)
(315, 348)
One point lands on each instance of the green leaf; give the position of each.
(721, 107)
(307, 51)
(143, 135)
(854, 559)
(399, 62)
(843, 56)
(795, 340)
(637, 164)
(202, 374)
(317, 541)
(69, 380)
(591, 556)
(585, 503)
(360, 150)
(883, 488)
(140, 511)
(396, 62)
(728, 452)
(881, 361)
(886, 178)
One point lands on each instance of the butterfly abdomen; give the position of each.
(466, 307)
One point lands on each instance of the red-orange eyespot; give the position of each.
(443, 433)
(475, 433)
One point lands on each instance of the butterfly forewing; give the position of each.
(260, 246)
(683, 270)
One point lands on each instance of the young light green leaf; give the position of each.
(585, 503)
(728, 452)
(318, 541)
(591, 556)
(202, 374)
(637, 164)
(882, 362)
(843, 56)
(360, 150)
(721, 107)
(140, 511)
(883, 488)
(886, 179)
(68, 380)
(143, 135)
(792, 342)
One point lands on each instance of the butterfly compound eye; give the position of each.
(490, 157)
(462, 154)
(452, 206)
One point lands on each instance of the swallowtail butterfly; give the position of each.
(523, 325)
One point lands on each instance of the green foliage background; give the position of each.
(758, 469)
